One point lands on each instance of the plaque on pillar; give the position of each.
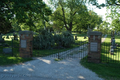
(23, 43)
(94, 47)
(26, 37)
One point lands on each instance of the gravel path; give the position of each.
(46, 68)
(103, 39)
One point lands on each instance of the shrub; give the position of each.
(67, 39)
(43, 40)
(46, 40)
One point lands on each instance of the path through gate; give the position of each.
(79, 52)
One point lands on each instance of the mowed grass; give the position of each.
(10, 59)
(109, 69)
(105, 71)
(106, 56)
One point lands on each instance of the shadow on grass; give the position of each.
(106, 56)
(7, 60)
(106, 71)
(109, 68)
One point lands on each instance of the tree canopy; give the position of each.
(73, 15)
(25, 11)
(107, 3)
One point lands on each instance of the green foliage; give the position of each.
(73, 15)
(5, 25)
(28, 12)
(46, 40)
(65, 14)
(107, 3)
(67, 39)
(114, 16)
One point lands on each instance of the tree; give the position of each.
(66, 11)
(108, 3)
(5, 25)
(114, 16)
(116, 24)
(90, 19)
(25, 11)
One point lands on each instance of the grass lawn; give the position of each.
(8, 59)
(107, 70)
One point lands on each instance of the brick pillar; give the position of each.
(25, 49)
(94, 47)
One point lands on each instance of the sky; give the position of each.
(100, 12)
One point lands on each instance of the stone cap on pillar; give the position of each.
(26, 32)
(95, 33)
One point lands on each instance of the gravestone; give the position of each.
(5, 45)
(113, 43)
(75, 37)
(1, 39)
(26, 38)
(7, 37)
(111, 50)
(7, 50)
(94, 47)
(15, 36)
(84, 37)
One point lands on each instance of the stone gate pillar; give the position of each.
(25, 46)
(94, 47)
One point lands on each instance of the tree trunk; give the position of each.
(70, 26)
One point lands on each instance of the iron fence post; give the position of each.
(12, 47)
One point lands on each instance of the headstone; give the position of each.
(7, 37)
(26, 38)
(94, 47)
(113, 43)
(75, 37)
(1, 39)
(15, 36)
(84, 37)
(7, 50)
(111, 50)
(6, 45)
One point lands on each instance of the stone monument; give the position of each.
(75, 37)
(15, 36)
(113, 43)
(26, 38)
(94, 47)
(1, 39)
